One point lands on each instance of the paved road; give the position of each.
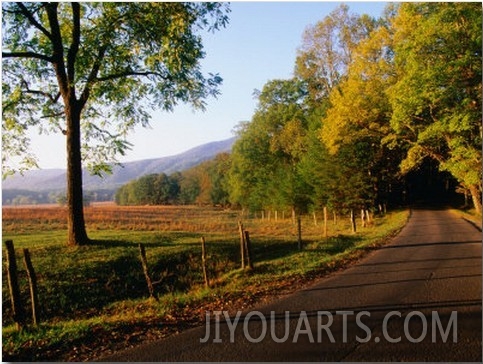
(398, 304)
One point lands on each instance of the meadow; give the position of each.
(94, 299)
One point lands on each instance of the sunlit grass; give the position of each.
(470, 215)
(101, 287)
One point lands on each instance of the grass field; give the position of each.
(94, 299)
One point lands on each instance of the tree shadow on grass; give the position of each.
(338, 244)
(113, 243)
(277, 249)
(274, 249)
(88, 287)
(83, 282)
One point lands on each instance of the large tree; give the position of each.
(265, 157)
(92, 71)
(436, 100)
(339, 159)
(326, 50)
(358, 119)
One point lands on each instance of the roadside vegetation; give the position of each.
(94, 298)
(470, 215)
(379, 113)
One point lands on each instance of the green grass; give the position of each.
(101, 287)
(470, 215)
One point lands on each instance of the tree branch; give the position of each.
(127, 74)
(32, 20)
(429, 151)
(51, 97)
(27, 55)
(92, 78)
(74, 47)
(58, 51)
(92, 75)
(56, 115)
(41, 93)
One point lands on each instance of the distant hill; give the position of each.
(55, 179)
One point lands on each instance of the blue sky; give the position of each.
(258, 45)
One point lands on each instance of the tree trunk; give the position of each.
(12, 279)
(144, 263)
(76, 229)
(476, 197)
(299, 233)
(66, 78)
(353, 222)
(32, 278)
(203, 262)
(248, 248)
(242, 244)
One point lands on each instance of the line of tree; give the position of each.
(27, 197)
(204, 184)
(371, 101)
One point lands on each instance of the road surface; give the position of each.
(416, 299)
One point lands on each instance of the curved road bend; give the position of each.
(416, 299)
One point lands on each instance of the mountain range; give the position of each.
(55, 179)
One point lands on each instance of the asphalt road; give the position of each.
(416, 299)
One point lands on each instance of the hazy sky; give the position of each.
(259, 44)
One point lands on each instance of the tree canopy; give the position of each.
(436, 99)
(265, 157)
(381, 97)
(92, 71)
(114, 61)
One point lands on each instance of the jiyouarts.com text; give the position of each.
(326, 326)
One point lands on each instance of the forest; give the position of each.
(378, 111)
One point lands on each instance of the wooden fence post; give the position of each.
(325, 222)
(368, 217)
(17, 308)
(203, 261)
(144, 262)
(248, 246)
(33, 286)
(242, 244)
(353, 222)
(299, 232)
(363, 218)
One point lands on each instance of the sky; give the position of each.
(259, 44)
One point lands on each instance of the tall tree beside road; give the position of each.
(92, 71)
(265, 158)
(436, 100)
(356, 129)
(326, 51)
